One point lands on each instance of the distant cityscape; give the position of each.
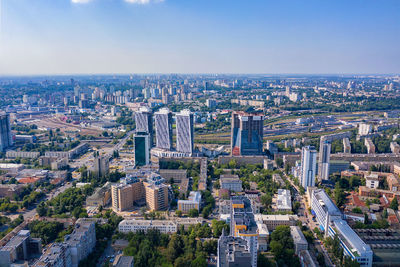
(200, 170)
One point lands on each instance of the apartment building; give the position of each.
(164, 226)
(193, 202)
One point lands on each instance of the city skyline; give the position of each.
(174, 36)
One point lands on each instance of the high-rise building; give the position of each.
(184, 131)
(346, 146)
(144, 122)
(364, 129)
(126, 193)
(6, 139)
(101, 165)
(156, 193)
(142, 148)
(324, 160)
(163, 122)
(247, 134)
(308, 166)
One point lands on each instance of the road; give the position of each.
(307, 220)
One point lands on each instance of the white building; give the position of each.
(372, 181)
(308, 166)
(164, 226)
(324, 160)
(364, 129)
(283, 201)
(323, 208)
(185, 132)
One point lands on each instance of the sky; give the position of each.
(199, 36)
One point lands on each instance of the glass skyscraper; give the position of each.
(247, 134)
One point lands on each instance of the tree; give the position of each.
(394, 205)
(266, 200)
(218, 226)
(339, 195)
(193, 213)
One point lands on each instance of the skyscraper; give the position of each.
(6, 139)
(324, 160)
(247, 134)
(142, 148)
(163, 122)
(308, 166)
(184, 131)
(101, 165)
(144, 122)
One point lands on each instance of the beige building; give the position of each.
(193, 202)
(156, 196)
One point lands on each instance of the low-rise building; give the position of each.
(233, 251)
(22, 154)
(123, 261)
(10, 190)
(372, 181)
(273, 221)
(283, 201)
(58, 254)
(20, 248)
(299, 241)
(164, 226)
(231, 182)
(193, 202)
(100, 197)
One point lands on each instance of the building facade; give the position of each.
(185, 132)
(308, 166)
(163, 122)
(6, 139)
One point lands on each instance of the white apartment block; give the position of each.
(164, 226)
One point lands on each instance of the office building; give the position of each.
(81, 241)
(308, 166)
(6, 139)
(184, 132)
(124, 194)
(324, 160)
(101, 165)
(193, 202)
(133, 225)
(247, 134)
(284, 201)
(57, 255)
(20, 248)
(353, 246)
(233, 251)
(243, 225)
(144, 122)
(142, 148)
(230, 182)
(273, 221)
(299, 241)
(163, 122)
(323, 208)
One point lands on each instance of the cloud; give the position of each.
(81, 1)
(143, 2)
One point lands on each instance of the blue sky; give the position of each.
(199, 36)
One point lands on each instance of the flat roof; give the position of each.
(326, 202)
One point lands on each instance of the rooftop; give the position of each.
(326, 202)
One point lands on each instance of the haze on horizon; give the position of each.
(178, 36)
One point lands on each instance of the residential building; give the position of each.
(144, 122)
(193, 202)
(372, 181)
(22, 154)
(73, 153)
(247, 134)
(57, 255)
(308, 166)
(299, 241)
(10, 190)
(126, 193)
(370, 146)
(324, 160)
(231, 182)
(284, 201)
(176, 174)
(6, 139)
(164, 226)
(395, 147)
(185, 132)
(163, 122)
(20, 248)
(364, 129)
(81, 241)
(156, 193)
(101, 165)
(142, 148)
(346, 146)
(210, 103)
